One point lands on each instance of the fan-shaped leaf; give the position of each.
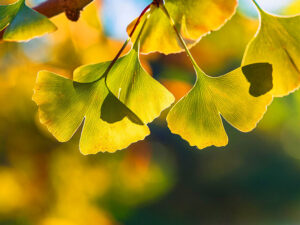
(197, 116)
(133, 86)
(108, 124)
(23, 22)
(277, 42)
(193, 19)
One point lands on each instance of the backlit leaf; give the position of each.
(8, 12)
(64, 104)
(90, 73)
(197, 116)
(277, 42)
(193, 19)
(133, 86)
(22, 22)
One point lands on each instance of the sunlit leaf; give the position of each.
(133, 86)
(197, 116)
(64, 104)
(8, 12)
(90, 73)
(193, 19)
(22, 22)
(277, 42)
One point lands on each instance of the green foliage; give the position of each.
(8, 12)
(136, 89)
(23, 23)
(125, 108)
(117, 99)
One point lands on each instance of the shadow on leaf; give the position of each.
(259, 75)
(112, 110)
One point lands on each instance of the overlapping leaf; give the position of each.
(197, 116)
(130, 84)
(8, 12)
(64, 104)
(142, 94)
(23, 23)
(277, 42)
(112, 122)
(193, 18)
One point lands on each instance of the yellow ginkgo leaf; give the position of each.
(197, 116)
(277, 42)
(64, 104)
(193, 18)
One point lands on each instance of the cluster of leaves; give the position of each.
(117, 99)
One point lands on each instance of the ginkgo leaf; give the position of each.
(277, 42)
(23, 23)
(193, 19)
(131, 84)
(116, 99)
(197, 116)
(90, 73)
(64, 104)
(8, 12)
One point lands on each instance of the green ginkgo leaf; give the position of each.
(117, 100)
(197, 116)
(135, 88)
(193, 19)
(64, 104)
(8, 12)
(110, 123)
(23, 23)
(130, 84)
(277, 42)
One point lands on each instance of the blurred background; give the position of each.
(159, 181)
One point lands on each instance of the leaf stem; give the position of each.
(257, 5)
(128, 39)
(136, 43)
(189, 54)
(139, 19)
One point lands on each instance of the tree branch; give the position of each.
(52, 8)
